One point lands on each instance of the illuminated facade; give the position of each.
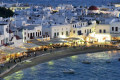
(115, 30)
(4, 34)
(58, 31)
(31, 32)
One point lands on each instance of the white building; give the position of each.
(80, 29)
(102, 33)
(4, 34)
(57, 31)
(115, 30)
(31, 32)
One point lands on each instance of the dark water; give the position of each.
(97, 70)
(74, 2)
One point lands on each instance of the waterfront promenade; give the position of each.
(44, 56)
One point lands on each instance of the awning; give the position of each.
(57, 41)
(29, 45)
(40, 43)
(13, 50)
(73, 39)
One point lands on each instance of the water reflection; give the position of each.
(101, 55)
(50, 63)
(52, 70)
(73, 58)
(17, 76)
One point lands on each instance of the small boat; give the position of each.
(108, 62)
(119, 59)
(27, 61)
(70, 71)
(86, 62)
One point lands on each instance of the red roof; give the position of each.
(93, 8)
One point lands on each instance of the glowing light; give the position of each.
(74, 58)
(63, 36)
(51, 63)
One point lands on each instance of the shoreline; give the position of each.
(53, 56)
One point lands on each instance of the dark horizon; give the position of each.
(73, 2)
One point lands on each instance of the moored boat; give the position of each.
(86, 62)
(70, 71)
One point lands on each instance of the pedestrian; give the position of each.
(35, 53)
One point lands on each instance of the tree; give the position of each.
(4, 12)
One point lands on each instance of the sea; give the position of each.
(103, 66)
(57, 2)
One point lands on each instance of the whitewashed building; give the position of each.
(115, 30)
(31, 32)
(4, 34)
(57, 31)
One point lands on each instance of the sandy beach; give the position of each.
(54, 55)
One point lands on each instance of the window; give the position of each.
(90, 30)
(75, 26)
(33, 34)
(100, 31)
(104, 31)
(54, 34)
(85, 31)
(40, 32)
(57, 33)
(62, 33)
(116, 28)
(66, 33)
(74, 31)
(25, 33)
(25, 38)
(112, 28)
(36, 33)
(28, 34)
(79, 32)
